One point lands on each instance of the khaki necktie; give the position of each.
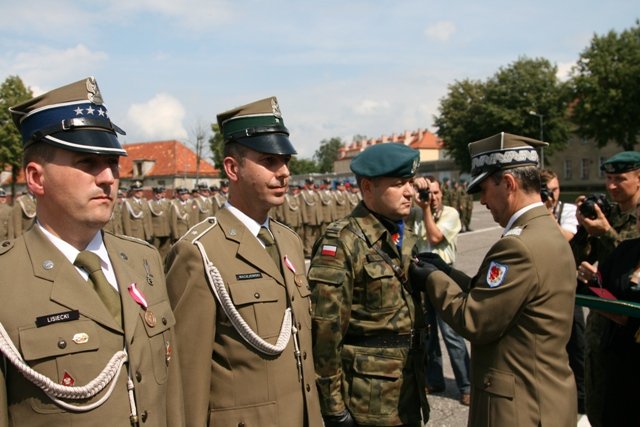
(269, 244)
(90, 262)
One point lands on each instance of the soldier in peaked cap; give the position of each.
(136, 218)
(245, 318)
(5, 216)
(517, 310)
(367, 319)
(76, 298)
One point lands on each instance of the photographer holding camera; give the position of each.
(598, 234)
(437, 227)
(564, 213)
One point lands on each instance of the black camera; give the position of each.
(424, 194)
(545, 193)
(588, 210)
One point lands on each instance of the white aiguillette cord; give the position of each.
(217, 286)
(55, 390)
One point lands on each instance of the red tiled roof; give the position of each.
(171, 158)
(419, 139)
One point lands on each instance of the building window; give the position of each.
(584, 169)
(568, 172)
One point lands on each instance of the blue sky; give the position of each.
(338, 68)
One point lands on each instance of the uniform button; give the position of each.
(144, 416)
(308, 387)
(6, 243)
(304, 355)
(299, 326)
(487, 382)
(293, 298)
(164, 320)
(241, 424)
(62, 344)
(138, 376)
(256, 295)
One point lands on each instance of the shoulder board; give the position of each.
(335, 228)
(6, 246)
(283, 225)
(516, 231)
(200, 229)
(131, 239)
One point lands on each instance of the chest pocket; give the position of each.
(58, 339)
(261, 304)
(158, 320)
(383, 290)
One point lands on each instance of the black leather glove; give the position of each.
(341, 420)
(419, 271)
(436, 260)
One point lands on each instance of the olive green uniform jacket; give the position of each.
(517, 313)
(37, 281)
(136, 221)
(226, 381)
(23, 214)
(6, 226)
(356, 296)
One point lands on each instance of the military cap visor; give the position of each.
(71, 117)
(258, 126)
(387, 159)
(499, 152)
(625, 161)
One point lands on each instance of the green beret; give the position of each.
(386, 159)
(622, 162)
(257, 125)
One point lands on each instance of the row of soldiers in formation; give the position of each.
(308, 209)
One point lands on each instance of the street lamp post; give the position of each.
(541, 117)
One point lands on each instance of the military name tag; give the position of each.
(50, 319)
(248, 276)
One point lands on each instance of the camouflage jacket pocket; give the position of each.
(383, 291)
(376, 383)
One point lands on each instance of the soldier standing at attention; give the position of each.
(202, 204)
(159, 210)
(239, 292)
(517, 310)
(180, 214)
(5, 217)
(114, 225)
(311, 211)
(368, 323)
(135, 215)
(87, 311)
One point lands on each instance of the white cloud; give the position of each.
(564, 70)
(369, 106)
(441, 30)
(159, 118)
(194, 15)
(44, 68)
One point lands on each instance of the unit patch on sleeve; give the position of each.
(496, 274)
(329, 250)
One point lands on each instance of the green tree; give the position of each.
(298, 166)
(12, 92)
(216, 144)
(606, 88)
(327, 154)
(473, 109)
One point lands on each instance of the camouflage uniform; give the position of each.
(592, 249)
(358, 302)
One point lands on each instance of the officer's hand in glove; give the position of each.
(341, 420)
(434, 259)
(418, 273)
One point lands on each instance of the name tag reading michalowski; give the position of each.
(50, 319)
(248, 276)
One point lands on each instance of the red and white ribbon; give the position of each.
(289, 264)
(137, 296)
